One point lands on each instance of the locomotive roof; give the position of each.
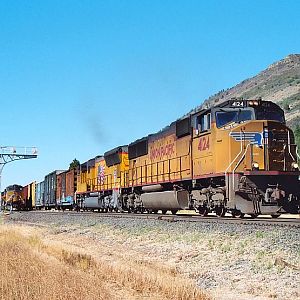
(140, 140)
(118, 149)
(90, 162)
(14, 186)
(228, 103)
(200, 109)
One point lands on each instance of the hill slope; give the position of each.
(280, 83)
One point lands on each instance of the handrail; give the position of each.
(16, 150)
(241, 159)
(226, 171)
(289, 145)
(144, 178)
(289, 149)
(229, 166)
(130, 176)
(284, 146)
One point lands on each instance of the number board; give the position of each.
(266, 104)
(238, 103)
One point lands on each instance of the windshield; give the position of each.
(233, 116)
(269, 114)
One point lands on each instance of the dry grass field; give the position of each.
(89, 256)
(34, 268)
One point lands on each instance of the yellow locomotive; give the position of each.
(237, 157)
(19, 197)
(13, 197)
(101, 179)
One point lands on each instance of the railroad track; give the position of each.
(263, 221)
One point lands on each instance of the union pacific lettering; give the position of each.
(162, 152)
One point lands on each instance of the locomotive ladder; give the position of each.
(12, 153)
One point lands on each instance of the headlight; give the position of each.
(255, 165)
(255, 103)
(250, 103)
(295, 165)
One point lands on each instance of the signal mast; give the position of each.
(12, 153)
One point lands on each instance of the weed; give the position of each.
(82, 261)
(226, 248)
(259, 234)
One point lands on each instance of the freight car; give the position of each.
(28, 194)
(237, 157)
(39, 195)
(50, 189)
(66, 185)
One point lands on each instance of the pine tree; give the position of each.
(74, 164)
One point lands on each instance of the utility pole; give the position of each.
(12, 153)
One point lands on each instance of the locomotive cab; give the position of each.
(13, 197)
(260, 161)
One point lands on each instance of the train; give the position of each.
(237, 157)
(19, 197)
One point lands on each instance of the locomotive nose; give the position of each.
(281, 148)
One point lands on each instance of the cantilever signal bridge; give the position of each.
(12, 153)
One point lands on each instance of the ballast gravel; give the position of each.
(229, 261)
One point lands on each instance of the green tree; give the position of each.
(297, 136)
(74, 164)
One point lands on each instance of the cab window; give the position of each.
(203, 122)
(269, 114)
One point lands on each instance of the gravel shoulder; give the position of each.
(228, 261)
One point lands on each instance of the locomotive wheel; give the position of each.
(203, 211)
(236, 213)
(275, 216)
(155, 211)
(163, 212)
(174, 211)
(220, 211)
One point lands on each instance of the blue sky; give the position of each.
(78, 78)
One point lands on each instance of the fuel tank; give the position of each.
(166, 200)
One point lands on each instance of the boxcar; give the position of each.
(39, 195)
(66, 186)
(50, 189)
